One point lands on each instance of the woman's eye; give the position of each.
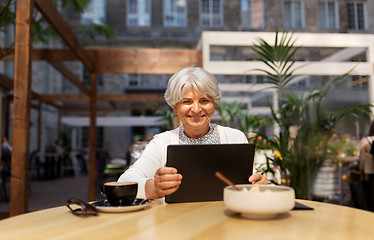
(205, 100)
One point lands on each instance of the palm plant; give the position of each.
(305, 123)
(229, 112)
(168, 119)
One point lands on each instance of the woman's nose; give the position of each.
(196, 107)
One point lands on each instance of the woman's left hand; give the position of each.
(257, 179)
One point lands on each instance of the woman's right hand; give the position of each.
(165, 182)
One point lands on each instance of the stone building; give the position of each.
(179, 24)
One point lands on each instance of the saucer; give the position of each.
(104, 206)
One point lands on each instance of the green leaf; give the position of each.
(79, 5)
(97, 29)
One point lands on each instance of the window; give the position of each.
(293, 14)
(139, 13)
(357, 15)
(94, 13)
(87, 80)
(211, 13)
(252, 13)
(175, 13)
(328, 14)
(146, 80)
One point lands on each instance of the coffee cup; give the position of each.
(120, 193)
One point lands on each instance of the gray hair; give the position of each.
(195, 77)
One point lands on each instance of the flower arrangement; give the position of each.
(341, 146)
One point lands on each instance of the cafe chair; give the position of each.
(369, 164)
(71, 163)
(114, 168)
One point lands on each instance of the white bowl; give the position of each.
(259, 201)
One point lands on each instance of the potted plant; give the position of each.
(306, 125)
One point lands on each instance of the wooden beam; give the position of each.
(63, 97)
(53, 16)
(47, 55)
(6, 82)
(59, 66)
(146, 61)
(113, 104)
(21, 108)
(54, 55)
(107, 108)
(132, 97)
(129, 97)
(92, 140)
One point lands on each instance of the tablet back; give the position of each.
(198, 163)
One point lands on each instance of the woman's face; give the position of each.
(195, 111)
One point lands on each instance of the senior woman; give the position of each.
(193, 94)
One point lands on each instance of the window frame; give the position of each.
(175, 15)
(326, 13)
(90, 14)
(211, 14)
(292, 12)
(138, 16)
(249, 23)
(364, 17)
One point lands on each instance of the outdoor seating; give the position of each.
(113, 169)
(71, 163)
(44, 165)
(369, 164)
(4, 196)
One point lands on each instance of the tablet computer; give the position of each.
(198, 163)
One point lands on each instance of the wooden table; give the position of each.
(207, 220)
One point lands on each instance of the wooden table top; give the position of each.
(203, 220)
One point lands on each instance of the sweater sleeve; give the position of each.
(146, 166)
(153, 157)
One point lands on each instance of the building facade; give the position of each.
(179, 24)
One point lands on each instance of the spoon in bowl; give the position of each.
(225, 180)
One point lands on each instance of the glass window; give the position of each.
(175, 13)
(87, 80)
(293, 13)
(252, 13)
(357, 15)
(139, 13)
(328, 14)
(211, 13)
(94, 13)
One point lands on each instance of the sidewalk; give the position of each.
(52, 193)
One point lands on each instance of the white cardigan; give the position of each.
(154, 155)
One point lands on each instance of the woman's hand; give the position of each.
(257, 179)
(165, 182)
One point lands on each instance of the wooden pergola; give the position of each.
(142, 61)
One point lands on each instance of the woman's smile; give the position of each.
(195, 111)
